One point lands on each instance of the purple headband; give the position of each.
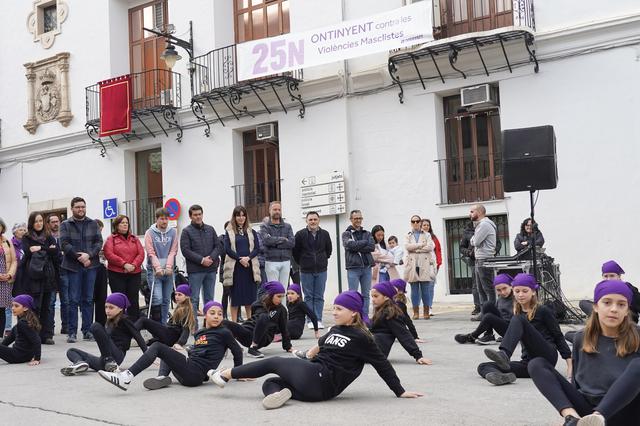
(274, 287)
(386, 288)
(118, 299)
(210, 304)
(295, 287)
(400, 284)
(611, 287)
(502, 279)
(612, 267)
(353, 301)
(184, 289)
(525, 280)
(25, 300)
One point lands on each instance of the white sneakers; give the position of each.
(310, 325)
(592, 420)
(121, 379)
(320, 325)
(216, 378)
(277, 399)
(73, 369)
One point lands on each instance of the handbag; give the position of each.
(37, 265)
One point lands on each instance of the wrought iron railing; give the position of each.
(467, 16)
(468, 179)
(217, 69)
(256, 197)
(142, 213)
(152, 89)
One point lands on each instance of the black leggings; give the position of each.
(107, 350)
(184, 369)
(162, 333)
(490, 321)
(520, 329)
(128, 284)
(620, 405)
(303, 378)
(249, 333)
(3, 320)
(100, 294)
(14, 356)
(42, 302)
(295, 328)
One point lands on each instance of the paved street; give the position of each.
(455, 394)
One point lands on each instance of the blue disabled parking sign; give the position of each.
(110, 208)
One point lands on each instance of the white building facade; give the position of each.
(573, 65)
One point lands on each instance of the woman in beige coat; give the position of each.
(420, 267)
(8, 268)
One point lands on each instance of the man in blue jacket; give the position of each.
(201, 249)
(358, 246)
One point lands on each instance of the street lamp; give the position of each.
(170, 56)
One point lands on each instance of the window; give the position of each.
(50, 15)
(460, 274)
(256, 19)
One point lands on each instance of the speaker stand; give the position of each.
(534, 228)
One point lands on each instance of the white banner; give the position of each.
(395, 29)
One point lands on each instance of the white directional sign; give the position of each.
(324, 194)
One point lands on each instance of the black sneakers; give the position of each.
(255, 353)
(73, 369)
(464, 338)
(476, 310)
(110, 365)
(155, 383)
(500, 379)
(499, 357)
(487, 339)
(570, 421)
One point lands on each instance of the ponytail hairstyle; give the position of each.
(183, 314)
(359, 323)
(627, 342)
(400, 297)
(267, 302)
(533, 307)
(32, 320)
(388, 310)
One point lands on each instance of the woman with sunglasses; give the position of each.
(420, 266)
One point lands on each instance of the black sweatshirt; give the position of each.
(593, 374)
(396, 327)
(344, 351)
(25, 339)
(545, 322)
(122, 334)
(277, 323)
(180, 329)
(406, 319)
(505, 307)
(210, 345)
(299, 310)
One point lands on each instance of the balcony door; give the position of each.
(149, 196)
(474, 163)
(467, 16)
(261, 175)
(145, 49)
(256, 19)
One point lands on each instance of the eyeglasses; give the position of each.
(416, 221)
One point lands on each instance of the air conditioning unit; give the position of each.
(266, 132)
(484, 94)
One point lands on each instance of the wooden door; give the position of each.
(261, 175)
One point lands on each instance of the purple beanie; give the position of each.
(353, 301)
(295, 287)
(400, 284)
(525, 280)
(612, 267)
(118, 299)
(611, 287)
(210, 304)
(184, 289)
(25, 300)
(274, 287)
(386, 289)
(502, 279)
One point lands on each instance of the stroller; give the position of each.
(146, 289)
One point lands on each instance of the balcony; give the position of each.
(156, 96)
(470, 37)
(142, 213)
(256, 197)
(470, 179)
(216, 88)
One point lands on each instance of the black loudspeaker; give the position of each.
(529, 159)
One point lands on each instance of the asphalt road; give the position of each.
(454, 393)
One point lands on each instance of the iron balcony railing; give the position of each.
(256, 197)
(468, 16)
(142, 213)
(217, 70)
(469, 179)
(152, 89)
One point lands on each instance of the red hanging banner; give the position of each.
(115, 106)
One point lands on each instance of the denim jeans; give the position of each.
(421, 290)
(360, 277)
(201, 280)
(278, 271)
(8, 317)
(383, 277)
(161, 295)
(81, 296)
(484, 280)
(63, 290)
(313, 286)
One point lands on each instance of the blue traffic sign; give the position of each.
(110, 208)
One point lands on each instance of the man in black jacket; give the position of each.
(276, 237)
(201, 249)
(466, 251)
(358, 246)
(311, 251)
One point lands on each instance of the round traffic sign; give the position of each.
(173, 206)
